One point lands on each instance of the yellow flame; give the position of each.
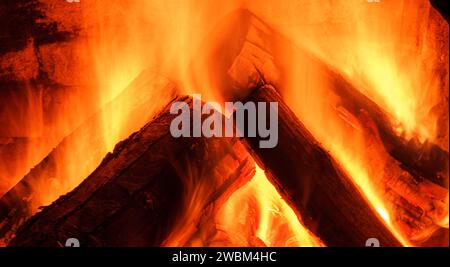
(273, 221)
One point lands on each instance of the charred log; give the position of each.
(138, 194)
(314, 184)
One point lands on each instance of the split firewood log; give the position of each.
(314, 184)
(152, 190)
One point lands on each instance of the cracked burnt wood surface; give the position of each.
(314, 184)
(137, 195)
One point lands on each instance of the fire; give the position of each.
(258, 210)
(382, 52)
(383, 48)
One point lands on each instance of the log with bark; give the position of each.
(314, 184)
(152, 190)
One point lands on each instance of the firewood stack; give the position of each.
(158, 190)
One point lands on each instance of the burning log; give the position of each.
(422, 160)
(151, 186)
(314, 184)
(418, 207)
(263, 56)
(417, 172)
(22, 201)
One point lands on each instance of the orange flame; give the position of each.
(383, 47)
(257, 210)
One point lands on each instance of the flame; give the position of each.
(41, 134)
(386, 51)
(257, 208)
(383, 47)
